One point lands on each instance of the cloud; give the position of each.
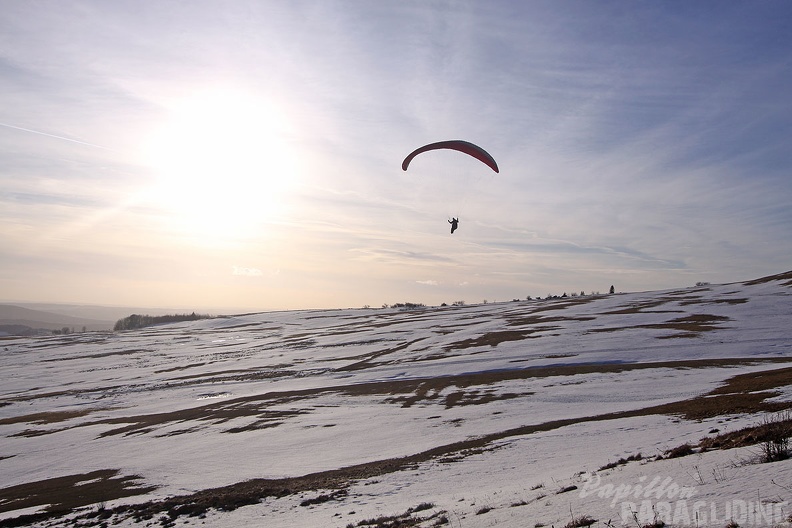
(428, 282)
(398, 256)
(247, 272)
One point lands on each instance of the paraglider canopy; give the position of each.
(456, 144)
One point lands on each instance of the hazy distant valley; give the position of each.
(43, 318)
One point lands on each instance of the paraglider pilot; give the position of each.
(454, 224)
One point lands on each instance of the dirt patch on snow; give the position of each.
(688, 326)
(57, 496)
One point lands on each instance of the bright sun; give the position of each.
(223, 166)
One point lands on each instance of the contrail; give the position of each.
(56, 137)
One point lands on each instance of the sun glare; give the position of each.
(223, 166)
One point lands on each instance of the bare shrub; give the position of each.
(621, 462)
(580, 522)
(775, 444)
(679, 451)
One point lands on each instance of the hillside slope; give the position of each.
(333, 417)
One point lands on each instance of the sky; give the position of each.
(247, 155)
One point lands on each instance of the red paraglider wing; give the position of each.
(457, 144)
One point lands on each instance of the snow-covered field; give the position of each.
(467, 415)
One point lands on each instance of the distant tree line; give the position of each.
(405, 306)
(550, 296)
(24, 330)
(141, 321)
(66, 330)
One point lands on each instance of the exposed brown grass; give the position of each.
(100, 355)
(406, 519)
(621, 462)
(45, 417)
(756, 381)
(768, 431)
(736, 300)
(642, 307)
(493, 339)
(580, 522)
(688, 326)
(63, 494)
(786, 276)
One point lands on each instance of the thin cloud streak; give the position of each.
(55, 136)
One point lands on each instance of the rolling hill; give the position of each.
(622, 409)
